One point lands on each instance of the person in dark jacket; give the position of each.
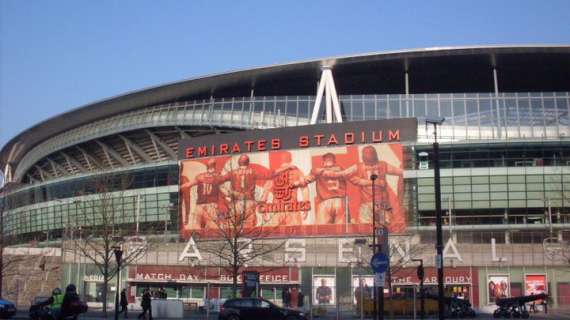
(284, 296)
(145, 304)
(301, 299)
(71, 302)
(124, 303)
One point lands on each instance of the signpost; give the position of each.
(250, 283)
(379, 264)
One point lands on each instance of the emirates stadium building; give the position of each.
(179, 158)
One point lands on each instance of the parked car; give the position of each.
(257, 308)
(7, 309)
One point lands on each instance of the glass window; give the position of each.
(432, 109)
(445, 106)
(535, 187)
(534, 178)
(481, 196)
(498, 187)
(481, 204)
(425, 182)
(227, 106)
(258, 106)
(198, 293)
(517, 203)
(498, 195)
(226, 293)
(524, 112)
(462, 196)
(516, 187)
(485, 112)
(357, 110)
(462, 188)
(462, 180)
(381, 109)
(426, 189)
(480, 179)
(458, 108)
(267, 293)
(171, 292)
(480, 188)
(517, 195)
(553, 187)
(516, 179)
(280, 107)
(369, 109)
(292, 107)
(394, 108)
(498, 179)
(419, 107)
(535, 195)
(472, 112)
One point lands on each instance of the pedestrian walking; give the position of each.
(145, 304)
(124, 303)
(284, 296)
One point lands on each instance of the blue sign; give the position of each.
(379, 262)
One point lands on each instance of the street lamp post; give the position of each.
(378, 292)
(118, 256)
(360, 243)
(421, 275)
(439, 233)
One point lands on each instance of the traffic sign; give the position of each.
(379, 279)
(379, 262)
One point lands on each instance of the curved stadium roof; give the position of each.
(431, 70)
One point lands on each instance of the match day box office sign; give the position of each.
(183, 274)
(308, 180)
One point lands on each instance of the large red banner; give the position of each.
(303, 192)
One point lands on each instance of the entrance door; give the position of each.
(563, 294)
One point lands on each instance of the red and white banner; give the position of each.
(314, 191)
(535, 284)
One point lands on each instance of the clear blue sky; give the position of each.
(58, 55)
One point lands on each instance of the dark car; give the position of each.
(254, 308)
(7, 309)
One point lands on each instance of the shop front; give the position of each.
(460, 282)
(501, 282)
(194, 284)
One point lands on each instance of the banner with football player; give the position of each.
(296, 192)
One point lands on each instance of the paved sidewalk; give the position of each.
(559, 314)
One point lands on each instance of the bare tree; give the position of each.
(8, 263)
(106, 225)
(3, 264)
(240, 235)
(238, 244)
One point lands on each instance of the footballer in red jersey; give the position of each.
(331, 190)
(360, 175)
(241, 194)
(207, 186)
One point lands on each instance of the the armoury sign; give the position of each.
(452, 276)
(310, 180)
